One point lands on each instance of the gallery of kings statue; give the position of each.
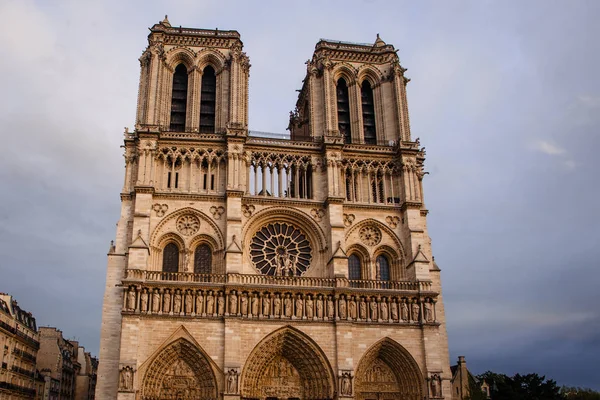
(256, 267)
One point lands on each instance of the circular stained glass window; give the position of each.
(280, 249)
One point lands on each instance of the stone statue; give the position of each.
(210, 302)
(144, 300)
(155, 301)
(404, 311)
(277, 305)
(330, 308)
(309, 308)
(220, 304)
(374, 310)
(126, 379)
(177, 303)
(346, 389)
(378, 269)
(167, 301)
(266, 305)
(255, 305)
(232, 380)
(428, 311)
(189, 303)
(319, 307)
(435, 385)
(299, 306)
(287, 303)
(352, 308)
(415, 311)
(131, 300)
(342, 307)
(363, 309)
(384, 310)
(244, 304)
(233, 303)
(394, 310)
(199, 303)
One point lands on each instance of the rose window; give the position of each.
(370, 235)
(280, 249)
(188, 224)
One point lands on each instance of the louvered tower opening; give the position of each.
(208, 98)
(368, 112)
(343, 107)
(179, 99)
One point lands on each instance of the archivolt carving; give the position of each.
(346, 71)
(372, 74)
(180, 371)
(180, 55)
(387, 367)
(286, 364)
(211, 57)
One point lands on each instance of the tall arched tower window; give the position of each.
(171, 258)
(383, 266)
(368, 113)
(343, 110)
(179, 98)
(203, 259)
(354, 267)
(208, 100)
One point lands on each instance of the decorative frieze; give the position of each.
(321, 306)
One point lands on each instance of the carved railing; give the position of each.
(132, 275)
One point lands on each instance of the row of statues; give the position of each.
(279, 305)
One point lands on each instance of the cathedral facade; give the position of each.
(249, 267)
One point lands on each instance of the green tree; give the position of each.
(522, 387)
(576, 393)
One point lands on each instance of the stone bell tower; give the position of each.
(260, 268)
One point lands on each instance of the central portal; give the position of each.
(288, 365)
(281, 380)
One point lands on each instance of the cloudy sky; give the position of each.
(505, 96)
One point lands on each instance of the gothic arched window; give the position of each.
(179, 98)
(384, 268)
(208, 100)
(354, 267)
(203, 259)
(368, 113)
(343, 110)
(171, 258)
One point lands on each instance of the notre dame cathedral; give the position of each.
(253, 267)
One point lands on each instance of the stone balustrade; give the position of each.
(137, 275)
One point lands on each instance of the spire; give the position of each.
(166, 22)
(379, 42)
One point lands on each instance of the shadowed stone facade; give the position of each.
(260, 268)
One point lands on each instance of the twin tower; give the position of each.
(259, 268)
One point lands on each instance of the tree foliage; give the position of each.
(575, 393)
(521, 387)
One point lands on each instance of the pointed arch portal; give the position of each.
(180, 371)
(387, 371)
(287, 364)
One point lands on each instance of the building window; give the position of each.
(171, 258)
(203, 259)
(179, 98)
(383, 268)
(343, 110)
(354, 267)
(368, 113)
(208, 97)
